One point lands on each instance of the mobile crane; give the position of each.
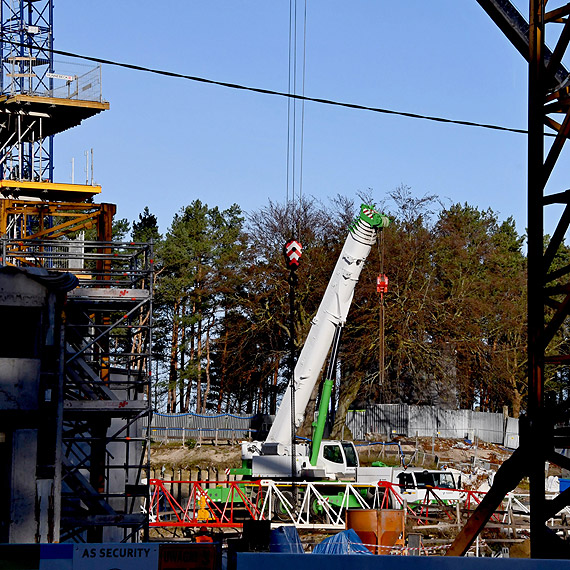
(328, 459)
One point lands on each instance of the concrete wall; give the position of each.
(23, 527)
(28, 381)
(19, 383)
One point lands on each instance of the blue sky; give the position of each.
(165, 142)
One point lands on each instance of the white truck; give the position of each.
(326, 459)
(413, 483)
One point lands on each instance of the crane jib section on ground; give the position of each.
(331, 314)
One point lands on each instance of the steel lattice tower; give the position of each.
(27, 62)
(544, 431)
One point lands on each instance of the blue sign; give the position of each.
(115, 556)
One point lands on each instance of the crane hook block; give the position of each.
(293, 251)
(382, 284)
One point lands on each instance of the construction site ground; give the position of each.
(211, 460)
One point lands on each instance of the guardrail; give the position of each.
(183, 434)
(85, 87)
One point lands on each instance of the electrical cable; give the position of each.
(303, 104)
(294, 146)
(292, 275)
(263, 91)
(289, 102)
(294, 132)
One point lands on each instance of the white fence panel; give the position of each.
(429, 421)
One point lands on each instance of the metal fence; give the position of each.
(84, 87)
(512, 433)
(427, 421)
(190, 426)
(386, 420)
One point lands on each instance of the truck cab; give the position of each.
(339, 459)
(422, 479)
(413, 484)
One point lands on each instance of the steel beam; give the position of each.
(548, 308)
(512, 23)
(505, 481)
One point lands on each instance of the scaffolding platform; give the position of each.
(28, 121)
(111, 408)
(47, 191)
(58, 114)
(112, 294)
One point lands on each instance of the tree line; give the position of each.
(454, 323)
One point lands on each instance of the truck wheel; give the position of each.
(280, 508)
(318, 512)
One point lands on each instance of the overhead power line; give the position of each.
(278, 93)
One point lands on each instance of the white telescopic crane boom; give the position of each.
(332, 313)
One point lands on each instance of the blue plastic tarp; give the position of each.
(345, 542)
(285, 539)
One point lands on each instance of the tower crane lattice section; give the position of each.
(36, 102)
(27, 67)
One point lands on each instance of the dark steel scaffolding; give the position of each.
(543, 430)
(101, 422)
(105, 406)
